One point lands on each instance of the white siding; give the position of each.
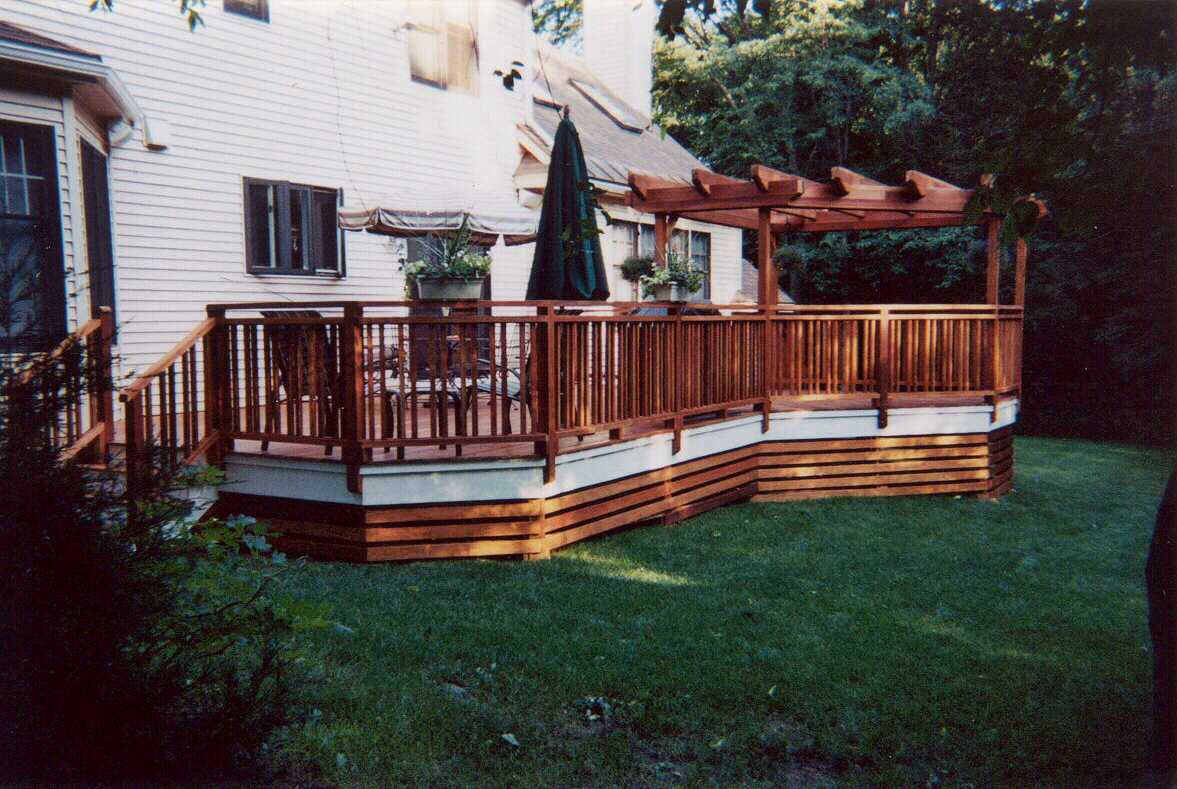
(321, 94)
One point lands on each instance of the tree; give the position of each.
(188, 9)
(560, 21)
(1074, 101)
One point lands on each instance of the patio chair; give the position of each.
(429, 371)
(305, 361)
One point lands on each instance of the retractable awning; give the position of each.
(486, 227)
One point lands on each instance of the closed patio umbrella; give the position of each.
(567, 263)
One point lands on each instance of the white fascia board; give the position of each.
(76, 68)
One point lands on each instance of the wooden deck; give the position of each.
(480, 507)
(372, 432)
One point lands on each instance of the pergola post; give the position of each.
(1020, 273)
(767, 291)
(992, 260)
(661, 239)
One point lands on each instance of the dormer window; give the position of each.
(254, 9)
(618, 112)
(443, 46)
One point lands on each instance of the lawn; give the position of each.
(887, 641)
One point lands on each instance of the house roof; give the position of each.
(617, 139)
(20, 35)
(23, 51)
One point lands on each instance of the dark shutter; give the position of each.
(325, 223)
(99, 246)
(258, 225)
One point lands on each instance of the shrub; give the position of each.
(135, 650)
(634, 267)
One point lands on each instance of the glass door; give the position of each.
(32, 289)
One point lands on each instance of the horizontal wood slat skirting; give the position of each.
(975, 463)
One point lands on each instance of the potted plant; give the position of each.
(453, 271)
(676, 281)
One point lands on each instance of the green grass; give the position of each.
(884, 641)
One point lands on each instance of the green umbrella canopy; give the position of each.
(567, 264)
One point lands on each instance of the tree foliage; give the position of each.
(559, 21)
(1071, 100)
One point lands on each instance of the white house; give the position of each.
(158, 170)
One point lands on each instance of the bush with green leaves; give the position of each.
(146, 649)
(634, 267)
(676, 272)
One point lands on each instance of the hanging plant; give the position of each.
(635, 267)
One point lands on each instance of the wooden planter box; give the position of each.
(449, 289)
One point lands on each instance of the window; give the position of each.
(634, 239)
(32, 280)
(443, 48)
(254, 9)
(701, 258)
(292, 229)
(691, 246)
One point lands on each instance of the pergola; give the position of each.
(775, 202)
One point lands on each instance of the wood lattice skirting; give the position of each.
(771, 470)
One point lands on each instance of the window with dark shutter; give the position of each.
(254, 9)
(292, 229)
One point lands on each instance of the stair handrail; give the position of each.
(96, 335)
(144, 379)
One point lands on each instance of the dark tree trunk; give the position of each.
(1161, 576)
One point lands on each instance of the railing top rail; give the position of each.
(42, 362)
(592, 309)
(144, 379)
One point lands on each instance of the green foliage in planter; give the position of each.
(450, 258)
(635, 267)
(676, 272)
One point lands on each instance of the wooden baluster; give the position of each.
(548, 391)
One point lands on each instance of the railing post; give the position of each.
(675, 367)
(995, 363)
(102, 398)
(352, 371)
(883, 365)
(216, 365)
(134, 454)
(767, 367)
(549, 390)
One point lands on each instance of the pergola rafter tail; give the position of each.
(772, 202)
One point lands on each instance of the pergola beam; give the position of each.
(921, 185)
(705, 180)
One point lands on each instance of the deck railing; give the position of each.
(74, 378)
(389, 377)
